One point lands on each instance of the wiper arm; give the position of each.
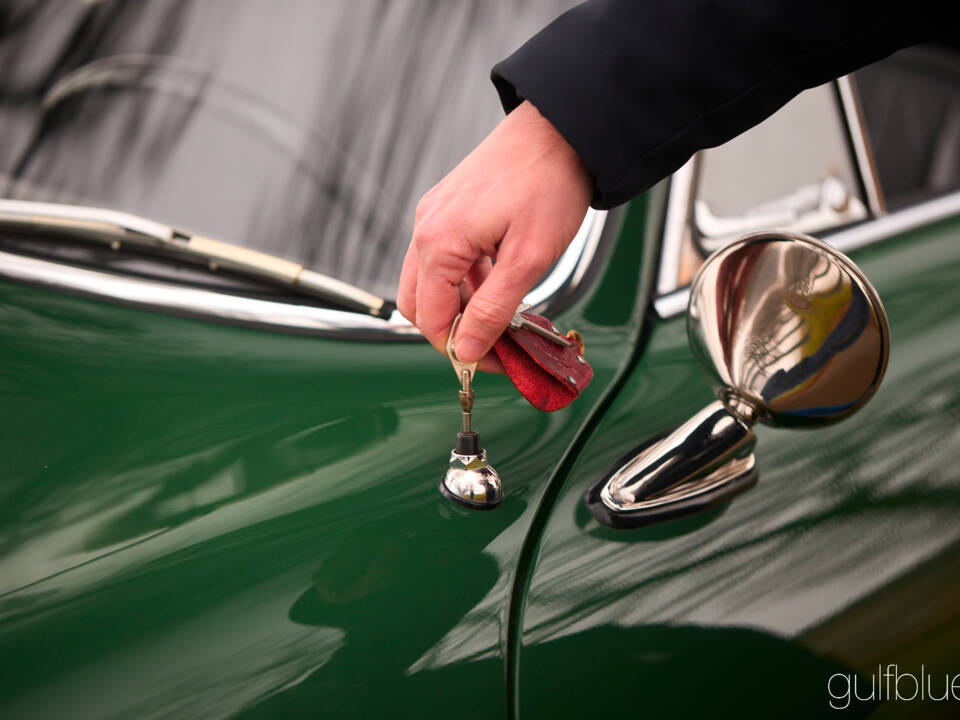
(120, 228)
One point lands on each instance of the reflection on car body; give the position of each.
(206, 519)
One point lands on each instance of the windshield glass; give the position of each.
(304, 129)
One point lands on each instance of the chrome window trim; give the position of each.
(671, 300)
(857, 132)
(675, 225)
(834, 205)
(173, 299)
(672, 304)
(854, 238)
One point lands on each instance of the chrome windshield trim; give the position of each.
(121, 228)
(194, 302)
(179, 300)
(872, 231)
(90, 221)
(857, 132)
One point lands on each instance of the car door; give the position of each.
(835, 578)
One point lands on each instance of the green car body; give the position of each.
(206, 520)
(202, 520)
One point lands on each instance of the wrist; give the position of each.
(549, 140)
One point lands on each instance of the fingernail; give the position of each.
(469, 349)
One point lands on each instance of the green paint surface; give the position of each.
(839, 559)
(199, 520)
(206, 521)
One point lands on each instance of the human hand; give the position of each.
(519, 197)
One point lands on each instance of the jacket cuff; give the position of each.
(506, 77)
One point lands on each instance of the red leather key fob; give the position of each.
(546, 373)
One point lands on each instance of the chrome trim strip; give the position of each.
(102, 222)
(137, 292)
(675, 225)
(895, 223)
(193, 302)
(119, 228)
(853, 115)
(674, 303)
(859, 236)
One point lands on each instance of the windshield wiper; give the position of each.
(119, 228)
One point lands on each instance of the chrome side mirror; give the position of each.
(790, 333)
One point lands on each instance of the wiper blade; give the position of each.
(120, 228)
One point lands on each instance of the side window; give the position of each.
(794, 171)
(911, 109)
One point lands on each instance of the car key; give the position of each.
(519, 320)
(465, 373)
(469, 479)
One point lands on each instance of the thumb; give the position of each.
(492, 306)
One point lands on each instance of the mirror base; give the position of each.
(722, 485)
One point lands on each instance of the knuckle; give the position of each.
(488, 315)
(441, 245)
(422, 236)
(427, 204)
(530, 262)
(423, 207)
(428, 233)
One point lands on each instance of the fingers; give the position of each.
(492, 306)
(491, 363)
(443, 263)
(475, 277)
(494, 203)
(407, 297)
(407, 289)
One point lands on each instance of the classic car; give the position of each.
(221, 451)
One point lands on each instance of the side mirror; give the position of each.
(790, 333)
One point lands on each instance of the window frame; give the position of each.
(670, 296)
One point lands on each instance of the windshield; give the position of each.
(304, 129)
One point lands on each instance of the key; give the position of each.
(521, 321)
(469, 479)
(465, 373)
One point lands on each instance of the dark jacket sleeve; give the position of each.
(638, 86)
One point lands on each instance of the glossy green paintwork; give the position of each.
(205, 521)
(200, 520)
(844, 555)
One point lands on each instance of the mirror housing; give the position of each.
(790, 333)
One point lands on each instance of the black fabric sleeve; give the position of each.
(638, 86)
